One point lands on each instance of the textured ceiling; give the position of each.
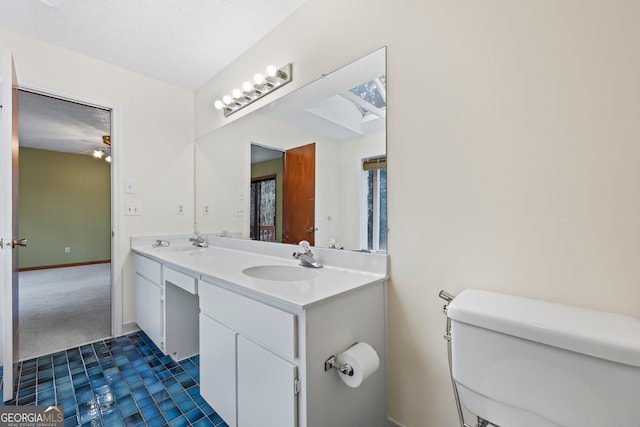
(53, 124)
(181, 42)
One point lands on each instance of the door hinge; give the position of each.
(297, 385)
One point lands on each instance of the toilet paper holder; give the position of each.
(344, 369)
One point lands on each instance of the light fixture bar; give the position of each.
(251, 92)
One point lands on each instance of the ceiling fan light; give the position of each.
(98, 154)
(108, 158)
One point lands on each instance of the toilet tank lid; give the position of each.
(605, 335)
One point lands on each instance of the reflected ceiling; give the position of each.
(345, 104)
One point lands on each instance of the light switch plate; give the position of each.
(129, 186)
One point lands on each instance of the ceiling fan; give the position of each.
(100, 152)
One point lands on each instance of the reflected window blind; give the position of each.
(377, 163)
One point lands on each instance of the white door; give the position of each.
(9, 220)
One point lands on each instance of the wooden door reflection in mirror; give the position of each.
(299, 194)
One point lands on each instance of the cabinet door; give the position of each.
(218, 368)
(266, 393)
(149, 309)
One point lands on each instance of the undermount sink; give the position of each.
(280, 273)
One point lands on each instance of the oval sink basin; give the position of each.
(280, 273)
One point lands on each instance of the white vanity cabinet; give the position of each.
(167, 307)
(262, 363)
(248, 371)
(263, 343)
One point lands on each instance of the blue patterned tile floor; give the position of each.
(123, 381)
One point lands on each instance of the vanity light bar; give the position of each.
(251, 92)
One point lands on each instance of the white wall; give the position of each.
(512, 148)
(153, 140)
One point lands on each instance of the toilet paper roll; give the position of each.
(363, 359)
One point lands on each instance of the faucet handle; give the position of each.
(305, 246)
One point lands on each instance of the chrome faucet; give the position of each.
(161, 243)
(306, 256)
(198, 240)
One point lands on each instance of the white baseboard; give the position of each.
(129, 327)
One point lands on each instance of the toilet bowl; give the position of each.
(520, 362)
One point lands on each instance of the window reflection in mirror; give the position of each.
(374, 196)
(265, 211)
(343, 115)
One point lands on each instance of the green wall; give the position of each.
(64, 201)
(272, 167)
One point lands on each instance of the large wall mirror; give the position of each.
(308, 166)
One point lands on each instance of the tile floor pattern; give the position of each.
(123, 381)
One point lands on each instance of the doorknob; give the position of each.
(19, 242)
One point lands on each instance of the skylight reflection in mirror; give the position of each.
(372, 92)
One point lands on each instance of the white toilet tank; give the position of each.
(519, 362)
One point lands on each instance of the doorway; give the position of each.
(283, 189)
(65, 210)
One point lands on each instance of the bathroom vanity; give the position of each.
(167, 306)
(264, 327)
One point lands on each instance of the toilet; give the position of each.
(520, 362)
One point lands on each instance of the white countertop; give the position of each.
(226, 265)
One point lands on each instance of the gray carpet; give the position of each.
(62, 308)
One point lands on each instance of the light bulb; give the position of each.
(218, 104)
(226, 99)
(247, 86)
(271, 70)
(108, 158)
(258, 79)
(236, 93)
(98, 154)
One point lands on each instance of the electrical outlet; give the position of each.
(132, 209)
(206, 210)
(67, 250)
(180, 209)
(239, 211)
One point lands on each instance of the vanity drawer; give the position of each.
(181, 280)
(269, 326)
(148, 268)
